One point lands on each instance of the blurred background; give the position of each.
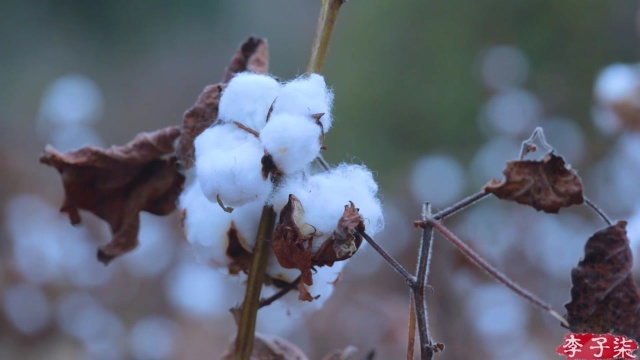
(433, 96)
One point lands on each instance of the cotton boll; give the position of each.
(293, 141)
(305, 96)
(324, 196)
(205, 226)
(228, 165)
(334, 189)
(247, 99)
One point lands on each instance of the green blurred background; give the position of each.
(407, 83)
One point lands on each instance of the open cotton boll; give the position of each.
(205, 226)
(228, 164)
(293, 141)
(247, 99)
(305, 96)
(324, 195)
(332, 190)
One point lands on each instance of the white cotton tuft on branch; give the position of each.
(293, 141)
(247, 99)
(305, 96)
(324, 196)
(205, 226)
(228, 165)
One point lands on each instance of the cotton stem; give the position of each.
(408, 278)
(326, 20)
(495, 273)
(251, 302)
(420, 286)
(598, 211)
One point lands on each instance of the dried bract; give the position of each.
(117, 183)
(546, 185)
(344, 241)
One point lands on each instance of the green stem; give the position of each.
(326, 20)
(251, 303)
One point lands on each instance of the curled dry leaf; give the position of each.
(546, 185)
(253, 55)
(604, 297)
(345, 240)
(117, 183)
(292, 242)
(269, 347)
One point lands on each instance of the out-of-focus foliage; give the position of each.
(413, 80)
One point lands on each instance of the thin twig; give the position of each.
(495, 273)
(326, 20)
(412, 327)
(419, 289)
(282, 292)
(323, 163)
(599, 211)
(408, 278)
(250, 305)
(460, 205)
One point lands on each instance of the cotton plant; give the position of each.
(259, 151)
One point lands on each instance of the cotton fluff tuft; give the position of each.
(293, 141)
(324, 196)
(205, 226)
(306, 96)
(228, 164)
(247, 99)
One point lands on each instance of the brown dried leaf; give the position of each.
(291, 247)
(196, 120)
(546, 185)
(604, 297)
(269, 347)
(253, 55)
(117, 183)
(344, 241)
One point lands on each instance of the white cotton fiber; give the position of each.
(246, 219)
(247, 99)
(205, 226)
(306, 95)
(324, 282)
(324, 196)
(228, 164)
(293, 141)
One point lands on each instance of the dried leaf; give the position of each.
(196, 120)
(253, 55)
(546, 185)
(604, 297)
(344, 241)
(117, 183)
(291, 247)
(269, 347)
